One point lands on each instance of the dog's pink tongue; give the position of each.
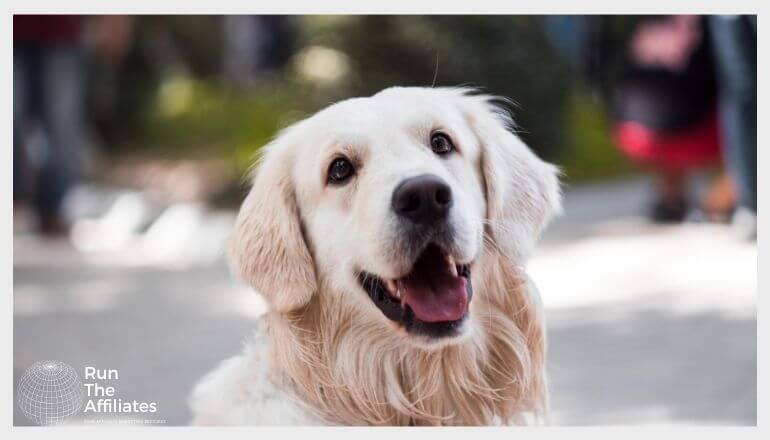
(435, 296)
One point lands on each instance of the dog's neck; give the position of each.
(350, 371)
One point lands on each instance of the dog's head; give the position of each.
(389, 202)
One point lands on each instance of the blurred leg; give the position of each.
(719, 202)
(63, 104)
(671, 203)
(735, 51)
(20, 109)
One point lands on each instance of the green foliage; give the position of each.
(505, 55)
(189, 111)
(590, 152)
(210, 119)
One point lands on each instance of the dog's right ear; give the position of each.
(267, 248)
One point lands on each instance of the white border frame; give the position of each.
(10, 7)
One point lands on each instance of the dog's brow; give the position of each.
(354, 152)
(423, 129)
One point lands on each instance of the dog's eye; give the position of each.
(441, 144)
(340, 170)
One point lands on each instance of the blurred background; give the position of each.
(133, 134)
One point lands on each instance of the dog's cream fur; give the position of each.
(326, 354)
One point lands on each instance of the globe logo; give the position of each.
(49, 392)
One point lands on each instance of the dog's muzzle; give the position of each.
(432, 298)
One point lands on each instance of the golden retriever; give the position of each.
(388, 235)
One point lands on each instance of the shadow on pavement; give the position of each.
(651, 366)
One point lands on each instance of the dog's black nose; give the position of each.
(422, 199)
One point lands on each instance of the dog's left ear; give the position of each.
(522, 191)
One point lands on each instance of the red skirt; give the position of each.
(694, 147)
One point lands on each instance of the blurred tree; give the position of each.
(172, 95)
(122, 93)
(505, 55)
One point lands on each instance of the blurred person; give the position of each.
(665, 110)
(48, 104)
(734, 41)
(50, 57)
(658, 74)
(255, 45)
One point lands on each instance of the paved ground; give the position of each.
(646, 324)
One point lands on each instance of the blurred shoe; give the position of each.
(744, 224)
(698, 214)
(669, 212)
(54, 227)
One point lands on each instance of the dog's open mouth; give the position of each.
(431, 299)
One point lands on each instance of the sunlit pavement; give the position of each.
(647, 324)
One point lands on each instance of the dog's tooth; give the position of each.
(392, 288)
(452, 266)
(398, 292)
